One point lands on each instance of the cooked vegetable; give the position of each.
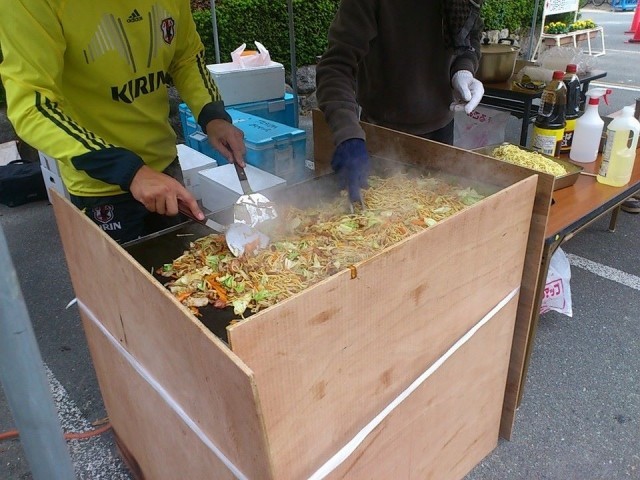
(310, 245)
(532, 160)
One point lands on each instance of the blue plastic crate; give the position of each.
(281, 110)
(273, 147)
(189, 123)
(623, 5)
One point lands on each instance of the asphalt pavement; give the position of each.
(580, 414)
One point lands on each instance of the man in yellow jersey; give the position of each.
(86, 83)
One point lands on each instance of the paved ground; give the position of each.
(580, 416)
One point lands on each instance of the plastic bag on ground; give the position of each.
(557, 291)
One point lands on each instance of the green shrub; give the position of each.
(513, 14)
(243, 21)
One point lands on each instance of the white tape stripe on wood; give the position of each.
(162, 392)
(355, 442)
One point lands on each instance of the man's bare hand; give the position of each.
(160, 193)
(228, 140)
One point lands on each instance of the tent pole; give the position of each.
(23, 378)
(214, 24)
(534, 21)
(292, 48)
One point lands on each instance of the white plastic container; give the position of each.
(191, 162)
(244, 85)
(588, 130)
(51, 164)
(52, 180)
(220, 187)
(619, 153)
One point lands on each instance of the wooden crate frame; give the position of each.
(300, 379)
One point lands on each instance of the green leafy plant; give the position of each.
(514, 14)
(243, 21)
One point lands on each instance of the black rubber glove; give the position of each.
(351, 164)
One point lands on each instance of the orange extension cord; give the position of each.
(105, 426)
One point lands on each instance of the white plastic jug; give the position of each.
(619, 153)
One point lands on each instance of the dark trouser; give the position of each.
(124, 218)
(442, 135)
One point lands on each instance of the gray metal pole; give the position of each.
(25, 382)
(292, 48)
(214, 24)
(534, 21)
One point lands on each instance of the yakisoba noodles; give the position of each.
(311, 244)
(532, 160)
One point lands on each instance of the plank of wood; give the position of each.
(159, 441)
(409, 149)
(450, 423)
(327, 360)
(198, 371)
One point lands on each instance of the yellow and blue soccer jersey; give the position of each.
(87, 83)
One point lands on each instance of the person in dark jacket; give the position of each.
(404, 65)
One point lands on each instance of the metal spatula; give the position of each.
(240, 237)
(251, 208)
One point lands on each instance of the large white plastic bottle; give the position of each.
(588, 131)
(619, 153)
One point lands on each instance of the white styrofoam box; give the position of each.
(220, 187)
(191, 162)
(244, 85)
(49, 163)
(53, 181)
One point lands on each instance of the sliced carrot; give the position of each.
(183, 296)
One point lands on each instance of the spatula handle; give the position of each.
(244, 182)
(242, 175)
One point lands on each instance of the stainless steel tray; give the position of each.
(573, 170)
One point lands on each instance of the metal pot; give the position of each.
(497, 62)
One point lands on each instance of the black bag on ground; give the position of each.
(21, 182)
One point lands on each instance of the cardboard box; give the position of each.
(9, 152)
(297, 381)
(220, 187)
(191, 162)
(243, 85)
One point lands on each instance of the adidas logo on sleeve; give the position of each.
(134, 17)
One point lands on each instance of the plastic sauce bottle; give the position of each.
(588, 131)
(620, 150)
(548, 128)
(572, 82)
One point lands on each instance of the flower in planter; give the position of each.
(556, 28)
(581, 25)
